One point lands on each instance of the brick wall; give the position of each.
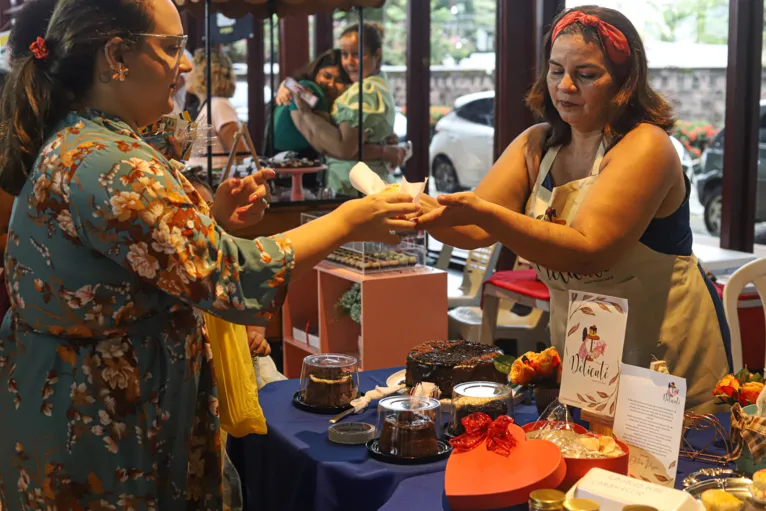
(696, 94)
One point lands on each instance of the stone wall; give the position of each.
(696, 94)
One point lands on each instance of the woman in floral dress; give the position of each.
(107, 388)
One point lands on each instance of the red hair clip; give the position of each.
(39, 49)
(613, 41)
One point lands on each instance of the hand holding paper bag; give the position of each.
(368, 182)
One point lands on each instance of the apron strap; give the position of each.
(545, 167)
(597, 161)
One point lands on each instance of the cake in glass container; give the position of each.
(409, 426)
(492, 398)
(329, 380)
(448, 363)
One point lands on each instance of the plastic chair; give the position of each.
(755, 273)
(465, 316)
(479, 266)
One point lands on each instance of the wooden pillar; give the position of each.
(418, 83)
(193, 29)
(293, 44)
(547, 10)
(256, 109)
(743, 94)
(515, 63)
(323, 36)
(514, 69)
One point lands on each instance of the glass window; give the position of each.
(687, 52)
(479, 111)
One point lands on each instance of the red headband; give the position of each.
(613, 41)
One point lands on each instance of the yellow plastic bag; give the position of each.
(238, 405)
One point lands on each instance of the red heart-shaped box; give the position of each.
(481, 479)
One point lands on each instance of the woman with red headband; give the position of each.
(603, 166)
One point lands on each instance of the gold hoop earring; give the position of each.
(121, 73)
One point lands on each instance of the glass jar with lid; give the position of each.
(409, 426)
(494, 399)
(546, 500)
(329, 380)
(581, 505)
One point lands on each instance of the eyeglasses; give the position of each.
(174, 51)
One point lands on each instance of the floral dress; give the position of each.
(108, 398)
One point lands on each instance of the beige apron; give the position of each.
(671, 313)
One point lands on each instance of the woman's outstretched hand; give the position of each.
(240, 203)
(378, 217)
(454, 210)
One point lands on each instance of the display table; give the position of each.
(295, 467)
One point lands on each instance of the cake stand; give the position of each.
(296, 193)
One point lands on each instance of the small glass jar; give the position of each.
(546, 500)
(581, 505)
(329, 380)
(409, 426)
(494, 399)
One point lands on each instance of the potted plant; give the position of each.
(540, 372)
(350, 304)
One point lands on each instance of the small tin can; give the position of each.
(546, 500)
(581, 505)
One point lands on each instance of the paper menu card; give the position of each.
(650, 419)
(615, 491)
(367, 182)
(590, 374)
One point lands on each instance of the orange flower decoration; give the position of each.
(749, 392)
(39, 49)
(522, 373)
(727, 387)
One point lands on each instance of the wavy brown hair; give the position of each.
(634, 102)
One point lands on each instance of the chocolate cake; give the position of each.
(329, 387)
(493, 407)
(408, 435)
(447, 363)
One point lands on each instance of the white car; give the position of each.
(462, 147)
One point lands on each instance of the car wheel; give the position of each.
(713, 209)
(445, 175)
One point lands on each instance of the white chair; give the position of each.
(465, 314)
(755, 273)
(479, 266)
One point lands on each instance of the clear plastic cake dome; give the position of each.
(409, 426)
(329, 380)
(494, 399)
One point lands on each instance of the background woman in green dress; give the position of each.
(339, 140)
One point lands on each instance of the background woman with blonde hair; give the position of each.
(224, 120)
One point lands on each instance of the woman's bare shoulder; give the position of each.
(647, 136)
(534, 141)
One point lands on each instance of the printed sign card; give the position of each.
(650, 420)
(593, 352)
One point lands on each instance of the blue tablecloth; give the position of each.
(295, 467)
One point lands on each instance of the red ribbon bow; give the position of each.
(479, 427)
(613, 41)
(39, 49)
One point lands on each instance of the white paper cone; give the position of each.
(367, 182)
